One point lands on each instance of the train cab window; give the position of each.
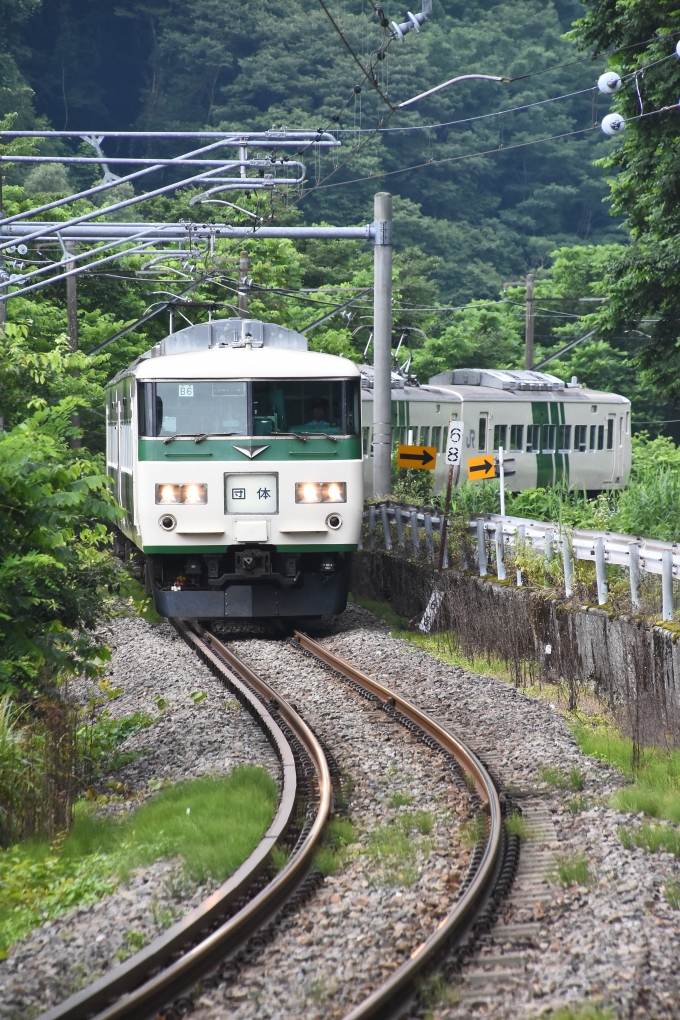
(533, 438)
(610, 433)
(516, 437)
(481, 445)
(499, 436)
(549, 437)
(305, 406)
(564, 438)
(580, 438)
(424, 435)
(198, 408)
(436, 435)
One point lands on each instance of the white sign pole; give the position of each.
(454, 447)
(501, 475)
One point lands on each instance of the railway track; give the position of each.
(223, 923)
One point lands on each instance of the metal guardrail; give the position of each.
(638, 555)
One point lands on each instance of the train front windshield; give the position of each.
(260, 408)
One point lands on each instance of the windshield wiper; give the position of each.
(197, 439)
(289, 435)
(322, 435)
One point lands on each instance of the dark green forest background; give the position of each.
(463, 227)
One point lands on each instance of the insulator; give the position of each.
(609, 83)
(613, 124)
(677, 48)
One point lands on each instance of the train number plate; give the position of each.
(248, 493)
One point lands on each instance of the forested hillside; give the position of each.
(170, 64)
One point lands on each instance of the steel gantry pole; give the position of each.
(382, 344)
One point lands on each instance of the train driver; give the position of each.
(319, 422)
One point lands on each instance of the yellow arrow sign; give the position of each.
(417, 457)
(481, 467)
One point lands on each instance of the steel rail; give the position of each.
(155, 976)
(391, 997)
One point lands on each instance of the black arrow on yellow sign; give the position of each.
(485, 467)
(424, 456)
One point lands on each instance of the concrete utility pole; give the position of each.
(3, 304)
(382, 345)
(243, 267)
(529, 331)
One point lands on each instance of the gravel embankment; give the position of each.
(615, 943)
(367, 918)
(187, 740)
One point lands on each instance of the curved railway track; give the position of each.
(224, 922)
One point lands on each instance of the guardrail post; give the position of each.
(444, 558)
(568, 559)
(371, 528)
(634, 572)
(415, 535)
(667, 585)
(481, 548)
(500, 563)
(386, 527)
(519, 537)
(600, 573)
(399, 522)
(429, 537)
(549, 545)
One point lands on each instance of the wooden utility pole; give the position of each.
(243, 267)
(529, 331)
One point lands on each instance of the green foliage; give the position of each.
(55, 569)
(212, 823)
(338, 835)
(652, 838)
(100, 739)
(572, 870)
(643, 279)
(561, 780)
(396, 850)
(517, 825)
(671, 893)
(475, 831)
(401, 800)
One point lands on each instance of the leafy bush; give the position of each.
(54, 568)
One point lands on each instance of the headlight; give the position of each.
(168, 494)
(334, 492)
(192, 492)
(308, 492)
(321, 492)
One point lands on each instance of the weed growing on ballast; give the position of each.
(561, 780)
(474, 831)
(517, 825)
(338, 835)
(651, 838)
(571, 870)
(671, 893)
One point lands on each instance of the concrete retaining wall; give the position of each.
(634, 665)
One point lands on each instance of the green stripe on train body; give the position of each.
(344, 448)
(551, 468)
(174, 550)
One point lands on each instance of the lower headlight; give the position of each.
(167, 493)
(321, 492)
(307, 492)
(192, 492)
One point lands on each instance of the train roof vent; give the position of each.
(498, 379)
(232, 333)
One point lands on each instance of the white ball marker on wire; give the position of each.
(609, 83)
(613, 124)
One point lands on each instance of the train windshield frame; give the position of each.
(261, 407)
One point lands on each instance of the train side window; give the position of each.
(481, 445)
(549, 436)
(580, 436)
(593, 440)
(621, 430)
(445, 436)
(610, 433)
(533, 438)
(627, 421)
(499, 436)
(600, 437)
(424, 435)
(516, 437)
(564, 438)
(436, 436)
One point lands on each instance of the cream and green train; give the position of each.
(236, 456)
(556, 432)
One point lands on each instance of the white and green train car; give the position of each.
(556, 432)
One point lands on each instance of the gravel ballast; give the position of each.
(186, 740)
